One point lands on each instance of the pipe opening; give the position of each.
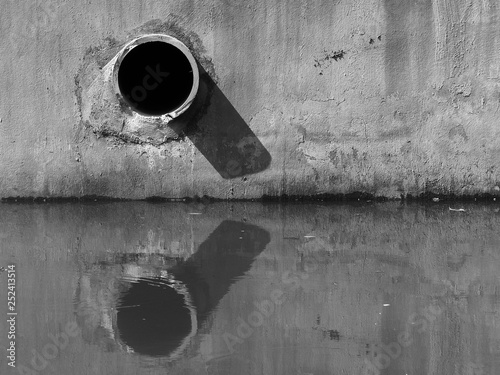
(157, 77)
(153, 319)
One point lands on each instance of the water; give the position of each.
(142, 288)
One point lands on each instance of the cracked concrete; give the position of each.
(411, 107)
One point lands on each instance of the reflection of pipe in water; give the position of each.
(156, 316)
(156, 311)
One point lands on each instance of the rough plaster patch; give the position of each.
(103, 112)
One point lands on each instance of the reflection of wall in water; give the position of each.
(367, 254)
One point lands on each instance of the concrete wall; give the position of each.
(389, 97)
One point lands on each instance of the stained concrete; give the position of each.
(299, 98)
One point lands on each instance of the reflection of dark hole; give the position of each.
(155, 78)
(153, 318)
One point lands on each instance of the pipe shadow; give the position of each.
(219, 132)
(158, 321)
(158, 314)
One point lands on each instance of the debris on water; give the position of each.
(456, 209)
(331, 334)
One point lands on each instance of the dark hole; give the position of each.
(155, 78)
(153, 319)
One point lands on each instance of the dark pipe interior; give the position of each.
(152, 318)
(155, 78)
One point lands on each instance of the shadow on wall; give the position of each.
(219, 132)
(211, 122)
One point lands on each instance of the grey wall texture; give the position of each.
(387, 97)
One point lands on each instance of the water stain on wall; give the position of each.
(409, 45)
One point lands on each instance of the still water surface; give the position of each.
(143, 288)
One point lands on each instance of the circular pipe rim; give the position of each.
(166, 39)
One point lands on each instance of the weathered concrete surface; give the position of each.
(382, 96)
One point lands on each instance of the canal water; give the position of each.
(251, 288)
